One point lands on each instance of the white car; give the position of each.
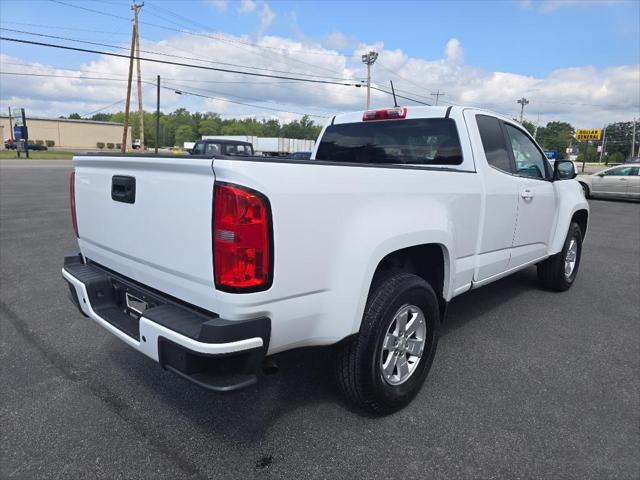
(211, 266)
(622, 181)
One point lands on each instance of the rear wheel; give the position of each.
(384, 366)
(559, 271)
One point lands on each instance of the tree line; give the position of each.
(183, 126)
(559, 136)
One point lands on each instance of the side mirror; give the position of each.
(600, 174)
(564, 170)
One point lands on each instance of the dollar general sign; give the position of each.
(589, 134)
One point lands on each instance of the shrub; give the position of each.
(100, 145)
(110, 145)
(50, 143)
(616, 157)
(118, 146)
(39, 142)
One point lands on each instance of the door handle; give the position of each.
(527, 194)
(123, 189)
(622, 179)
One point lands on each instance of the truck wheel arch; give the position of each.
(430, 261)
(581, 217)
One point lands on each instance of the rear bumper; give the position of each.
(217, 354)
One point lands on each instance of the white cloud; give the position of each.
(214, 105)
(336, 40)
(260, 8)
(247, 6)
(584, 96)
(454, 51)
(547, 6)
(219, 5)
(267, 16)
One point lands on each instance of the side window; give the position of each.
(619, 172)
(198, 149)
(635, 171)
(213, 149)
(493, 142)
(529, 161)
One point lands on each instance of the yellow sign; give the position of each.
(589, 134)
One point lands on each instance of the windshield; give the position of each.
(422, 141)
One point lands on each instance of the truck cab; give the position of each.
(232, 148)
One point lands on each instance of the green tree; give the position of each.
(101, 117)
(556, 136)
(184, 133)
(618, 138)
(529, 126)
(211, 124)
(75, 116)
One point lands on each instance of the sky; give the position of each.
(574, 60)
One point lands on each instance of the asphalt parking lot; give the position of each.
(525, 383)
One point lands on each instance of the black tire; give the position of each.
(358, 359)
(585, 189)
(551, 272)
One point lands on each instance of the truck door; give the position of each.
(502, 189)
(536, 198)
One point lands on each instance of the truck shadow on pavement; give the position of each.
(305, 378)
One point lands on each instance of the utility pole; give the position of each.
(158, 113)
(523, 102)
(136, 27)
(26, 134)
(535, 131)
(438, 94)
(604, 139)
(369, 59)
(123, 147)
(11, 127)
(633, 138)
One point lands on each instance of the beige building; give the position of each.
(70, 134)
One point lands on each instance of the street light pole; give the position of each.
(158, 113)
(523, 101)
(369, 59)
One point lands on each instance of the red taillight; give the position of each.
(241, 239)
(385, 114)
(72, 201)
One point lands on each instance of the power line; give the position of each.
(224, 40)
(232, 82)
(100, 44)
(178, 90)
(179, 64)
(103, 108)
(178, 87)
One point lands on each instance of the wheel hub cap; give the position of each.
(570, 258)
(403, 344)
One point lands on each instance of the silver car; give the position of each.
(622, 181)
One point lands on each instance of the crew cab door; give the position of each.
(502, 189)
(536, 198)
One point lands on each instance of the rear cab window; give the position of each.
(420, 141)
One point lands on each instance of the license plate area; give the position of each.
(134, 304)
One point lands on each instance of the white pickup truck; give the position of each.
(210, 266)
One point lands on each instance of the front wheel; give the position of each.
(585, 189)
(559, 271)
(382, 368)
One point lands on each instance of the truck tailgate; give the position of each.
(162, 239)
